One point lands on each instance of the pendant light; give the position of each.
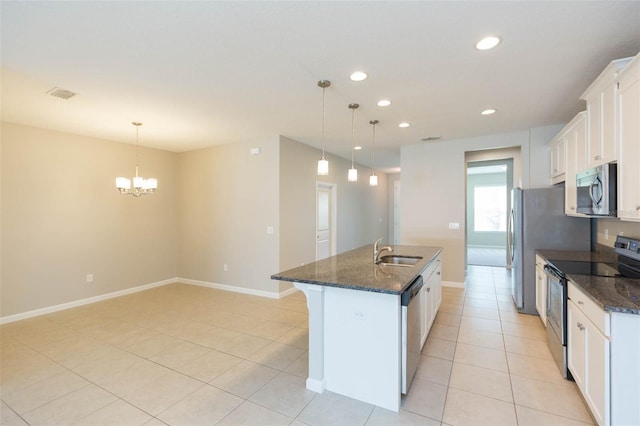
(141, 186)
(353, 172)
(323, 164)
(373, 179)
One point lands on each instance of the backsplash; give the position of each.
(608, 229)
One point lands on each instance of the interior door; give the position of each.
(323, 223)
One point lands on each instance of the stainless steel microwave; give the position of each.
(596, 190)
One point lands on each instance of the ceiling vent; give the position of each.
(431, 138)
(61, 93)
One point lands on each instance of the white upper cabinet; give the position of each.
(574, 135)
(558, 163)
(602, 115)
(628, 97)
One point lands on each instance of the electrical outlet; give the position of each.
(89, 278)
(454, 225)
(225, 268)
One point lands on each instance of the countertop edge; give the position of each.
(419, 267)
(577, 279)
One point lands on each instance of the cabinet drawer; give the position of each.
(429, 270)
(600, 318)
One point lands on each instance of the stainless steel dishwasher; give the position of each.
(411, 314)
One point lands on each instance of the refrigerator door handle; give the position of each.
(510, 247)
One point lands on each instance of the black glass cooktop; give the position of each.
(585, 268)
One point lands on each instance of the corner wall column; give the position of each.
(315, 303)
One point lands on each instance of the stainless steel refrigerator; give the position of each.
(537, 221)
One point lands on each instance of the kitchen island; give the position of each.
(355, 321)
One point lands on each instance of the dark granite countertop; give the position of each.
(613, 294)
(355, 270)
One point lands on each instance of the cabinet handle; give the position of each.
(638, 207)
(580, 326)
(573, 208)
(439, 271)
(580, 302)
(428, 289)
(597, 157)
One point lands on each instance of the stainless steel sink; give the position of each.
(398, 260)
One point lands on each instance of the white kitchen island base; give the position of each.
(354, 344)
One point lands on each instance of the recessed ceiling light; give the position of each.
(357, 147)
(404, 124)
(488, 111)
(488, 43)
(384, 102)
(359, 76)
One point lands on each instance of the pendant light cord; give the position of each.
(353, 132)
(373, 144)
(137, 146)
(323, 115)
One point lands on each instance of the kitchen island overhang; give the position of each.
(355, 321)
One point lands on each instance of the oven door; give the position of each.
(556, 319)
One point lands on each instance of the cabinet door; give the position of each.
(594, 119)
(608, 148)
(557, 159)
(576, 343)
(541, 294)
(581, 145)
(570, 190)
(596, 383)
(589, 362)
(601, 116)
(424, 315)
(629, 134)
(437, 285)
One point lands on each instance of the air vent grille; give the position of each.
(61, 93)
(431, 138)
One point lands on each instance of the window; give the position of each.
(490, 212)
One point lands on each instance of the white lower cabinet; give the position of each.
(589, 362)
(604, 359)
(430, 297)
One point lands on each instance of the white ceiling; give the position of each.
(204, 73)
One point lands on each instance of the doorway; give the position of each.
(489, 185)
(326, 213)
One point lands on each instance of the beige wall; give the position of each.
(227, 199)
(614, 228)
(362, 214)
(433, 188)
(62, 218)
(391, 179)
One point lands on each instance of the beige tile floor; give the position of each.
(187, 355)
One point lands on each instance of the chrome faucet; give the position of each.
(377, 252)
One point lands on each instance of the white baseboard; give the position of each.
(316, 385)
(236, 289)
(81, 302)
(288, 292)
(452, 284)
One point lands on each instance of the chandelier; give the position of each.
(141, 186)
